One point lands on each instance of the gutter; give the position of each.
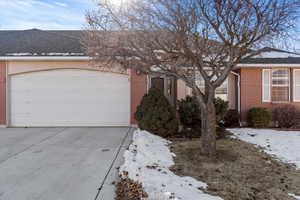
(266, 65)
(45, 58)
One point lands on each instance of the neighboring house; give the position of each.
(46, 79)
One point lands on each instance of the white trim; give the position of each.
(294, 85)
(267, 65)
(7, 95)
(263, 85)
(239, 90)
(27, 58)
(227, 88)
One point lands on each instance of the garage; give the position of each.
(69, 97)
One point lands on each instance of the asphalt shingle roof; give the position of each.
(36, 42)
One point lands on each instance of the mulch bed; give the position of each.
(241, 172)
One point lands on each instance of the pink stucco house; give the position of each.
(46, 79)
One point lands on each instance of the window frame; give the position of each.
(227, 88)
(270, 100)
(203, 86)
(269, 88)
(294, 85)
(289, 85)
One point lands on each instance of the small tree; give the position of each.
(188, 39)
(155, 114)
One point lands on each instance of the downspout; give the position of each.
(239, 90)
(7, 103)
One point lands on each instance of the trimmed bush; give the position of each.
(221, 108)
(259, 117)
(156, 115)
(232, 118)
(286, 116)
(190, 117)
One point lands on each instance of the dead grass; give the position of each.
(241, 172)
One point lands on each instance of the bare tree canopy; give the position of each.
(188, 38)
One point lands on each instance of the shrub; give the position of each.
(221, 108)
(232, 118)
(156, 115)
(286, 116)
(190, 116)
(259, 117)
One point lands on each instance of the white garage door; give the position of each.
(69, 98)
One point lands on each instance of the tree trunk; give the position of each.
(208, 130)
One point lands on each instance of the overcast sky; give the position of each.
(43, 14)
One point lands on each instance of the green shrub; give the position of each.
(259, 117)
(156, 115)
(232, 118)
(221, 108)
(190, 115)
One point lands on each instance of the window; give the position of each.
(266, 80)
(296, 78)
(280, 85)
(276, 85)
(221, 91)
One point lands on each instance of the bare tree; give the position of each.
(187, 39)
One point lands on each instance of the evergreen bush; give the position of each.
(156, 115)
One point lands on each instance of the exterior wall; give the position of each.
(251, 91)
(183, 91)
(232, 92)
(138, 84)
(16, 67)
(2, 93)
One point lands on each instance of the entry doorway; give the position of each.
(167, 85)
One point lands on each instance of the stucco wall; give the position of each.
(251, 91)
(15, 67)
(2, 93)
(182, 90)
(138, 89)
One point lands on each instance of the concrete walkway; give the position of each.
(60, 163)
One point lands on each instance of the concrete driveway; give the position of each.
(60, 163)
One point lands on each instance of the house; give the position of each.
(46, 79)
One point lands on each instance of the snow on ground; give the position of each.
(148, 160)
(296, 197)
(285, 145)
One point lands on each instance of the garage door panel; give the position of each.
(56, 98)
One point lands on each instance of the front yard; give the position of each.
(176, 170)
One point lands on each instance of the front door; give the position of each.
(167, 85)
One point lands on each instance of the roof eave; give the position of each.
(45, 58)
(268, 65)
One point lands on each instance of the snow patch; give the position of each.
(276, 54)
(148, 160)
(285, 145)
(296, 197)
(19, 54)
